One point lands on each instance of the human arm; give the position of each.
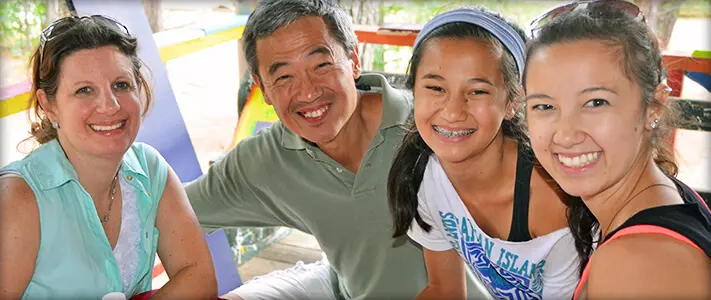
(225, 195)
(182, 247)
(19, 236)
(446, 276)
(649, 266)
(445, 269)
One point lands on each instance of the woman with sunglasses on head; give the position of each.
(81, 215)
(600, 122)
(464, 184)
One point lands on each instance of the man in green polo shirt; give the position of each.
(322, 168)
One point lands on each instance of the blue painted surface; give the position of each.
(221, 24)
(701, 78)
(223, 260)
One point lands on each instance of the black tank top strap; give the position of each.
(522, 194)
(691, 219)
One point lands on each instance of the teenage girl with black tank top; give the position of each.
(604, 135)
(463, 184)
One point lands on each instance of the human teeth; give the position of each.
(106, 128)
(316, 113)
(452, 133)
(579, 161)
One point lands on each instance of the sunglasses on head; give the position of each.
(57, 27)
(544, 19)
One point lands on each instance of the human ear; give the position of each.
(355, 63)
(514, 104)
(256, 80)
(47, 107)
(655, 111)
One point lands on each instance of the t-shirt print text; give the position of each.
(499, 274)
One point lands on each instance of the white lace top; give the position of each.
(128, 245)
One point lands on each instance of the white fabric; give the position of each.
(10, 175)
(128, 245)
(543, 268)
(303, 281)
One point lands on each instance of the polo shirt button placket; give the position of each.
(129, 177)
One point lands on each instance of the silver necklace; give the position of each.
(111, 203)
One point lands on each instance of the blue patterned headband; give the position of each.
(499, 28)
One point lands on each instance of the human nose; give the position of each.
(568, 132)
(455, 109)
(308, 89)
(108, 104)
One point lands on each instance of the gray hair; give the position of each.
(271, 15)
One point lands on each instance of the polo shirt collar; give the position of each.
(50, 165)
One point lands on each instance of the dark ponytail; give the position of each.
(404, 181)
(582, 224)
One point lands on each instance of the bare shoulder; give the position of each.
(18, 205)
(17, 197)
(19, 236)
(649, 265)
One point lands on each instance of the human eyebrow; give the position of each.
(432, 76)
(275, 67)
(481, 80)
(538, 96)
(320, 50)
(597, 89)
(81, 83)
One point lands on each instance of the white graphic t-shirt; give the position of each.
(542, 268)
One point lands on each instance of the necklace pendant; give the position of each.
(105, 219)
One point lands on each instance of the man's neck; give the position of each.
(351, 144)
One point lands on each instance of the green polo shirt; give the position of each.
(276, 179)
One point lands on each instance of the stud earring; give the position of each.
(654, 124)
(55, 124)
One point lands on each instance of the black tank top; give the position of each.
(691, 219)
(522, 193)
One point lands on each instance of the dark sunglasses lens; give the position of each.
(111, 22)
(625, 6)
(551, 15)
(54, 27)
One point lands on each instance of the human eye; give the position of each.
(596, 103)
(281, 79)
(122, 85)
(542, 107)
(434, 88)
(84, 90)
(323, 64)
(479, 92)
